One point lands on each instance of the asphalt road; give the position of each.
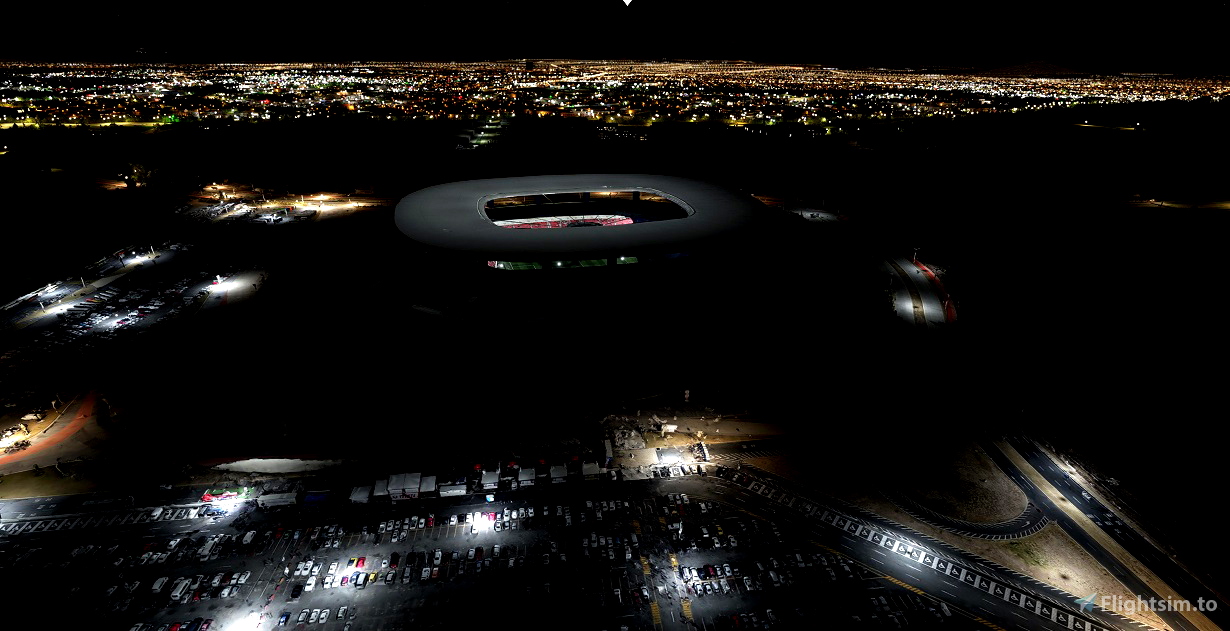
(1136, 545)
(1082, 538)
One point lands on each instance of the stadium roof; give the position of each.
(452, 216)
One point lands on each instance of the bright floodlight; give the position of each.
(225, 505)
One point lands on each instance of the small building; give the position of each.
(397, 487)
(361, 494)
(381, 489)
(312, 498)
(559, 473)
(490, 479)
(277, 499)
(413, 482)
(452, 490)
(590, 470)
(427, 487)
(526, 477)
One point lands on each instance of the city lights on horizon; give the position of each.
(621, 92)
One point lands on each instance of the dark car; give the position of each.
(284, 618)
(393, 559)
(297, 591)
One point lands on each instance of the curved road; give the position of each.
(1081, 537)
(915, 285)
(988, 595)
(1158, 562)
(1030, 520)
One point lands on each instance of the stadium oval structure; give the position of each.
(455, 217)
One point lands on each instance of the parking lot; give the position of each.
(644, 554)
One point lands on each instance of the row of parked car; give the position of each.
(313, 616)
(199, 624)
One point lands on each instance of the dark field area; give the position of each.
(1071, 302)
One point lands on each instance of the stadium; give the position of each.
(570, 221)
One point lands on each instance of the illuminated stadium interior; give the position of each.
(581, 209)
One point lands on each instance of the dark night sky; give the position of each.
(1110, 37)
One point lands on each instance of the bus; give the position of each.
(207, 549)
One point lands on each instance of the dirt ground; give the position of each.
(968, 486)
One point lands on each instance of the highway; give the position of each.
(1160, 563)
(1083, 539)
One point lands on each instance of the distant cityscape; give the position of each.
(820, 99)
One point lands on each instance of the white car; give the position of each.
(315, 616)
(324, 615)
(452, 520)
(412, 522)
(328, 582)
(470, 555)
(333, 568)
(243, 578)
